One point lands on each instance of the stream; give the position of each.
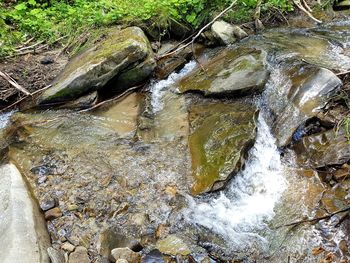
(128, 168)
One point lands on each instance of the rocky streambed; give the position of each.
(213, 164)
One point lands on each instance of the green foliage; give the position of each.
(51, 19)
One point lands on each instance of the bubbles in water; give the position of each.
(248, 203)
(158, 88)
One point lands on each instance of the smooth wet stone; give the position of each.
(56, 256)
(126, 254)
(323, 149)
(302, 96)
(232, 71)
(68, 247)
(109, 239)
(173, 245)
(79, 255)
(221, 137)
(303, 45)
(123, 59)
(23, 231)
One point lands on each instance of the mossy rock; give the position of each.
(222, 135)
(238, 71)
(123, 59)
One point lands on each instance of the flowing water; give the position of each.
(116, 161)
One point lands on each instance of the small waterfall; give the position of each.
(158, 88)
(245, 208)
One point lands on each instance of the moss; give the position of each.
(222, 133)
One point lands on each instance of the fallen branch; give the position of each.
(200, 31)
(30, 47)
(316, 219)
(14, 83)
(127, 92)
(302, 8)
(343, 73)
(22, 99)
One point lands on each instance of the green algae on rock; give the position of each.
(173, 245)
(222, 135)
(123, 59)
(240, 70)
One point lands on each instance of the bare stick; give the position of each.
(302, 8)
(343, 73)
(200, 31)
(30, 47)
(20, 100)
(14, 83)
(316, 219)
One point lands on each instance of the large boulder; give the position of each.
(123, 59)
(301, 97)
(323, 149)
(24, 237)
(221, 137)
(231, 71)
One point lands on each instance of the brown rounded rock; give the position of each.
(53, 213)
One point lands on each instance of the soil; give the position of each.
(31, 71)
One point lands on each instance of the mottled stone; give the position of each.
(68, 247)
(236, 71)
(53, 213)
(121, 60)
(173, 245)
(126, 254)
(80, 255)
(56, 256)
(222, 135)
(223, 31)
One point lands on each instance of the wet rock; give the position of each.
(173, 245)
(302, 98)
(323, 149)
(68, 247)
(56, 256)
(22, 229)
(121, 261)
(80, 255)
(109, 239)
(125, 254)
(47, 203)
(222, 135)
(153, 257)
(224, 32)
(53, 213)
(121, 60)
(231, 71)
(83, 102)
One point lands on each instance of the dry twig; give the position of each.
(200, 31)
(308, 13)
(14, 83)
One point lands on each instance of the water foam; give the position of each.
(158, 88)
(5, 119)
(245, 208)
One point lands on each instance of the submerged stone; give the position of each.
(120, 61)
(173, 245)
(323, 149)
(302, 96)
(222, 135)
(231, 71)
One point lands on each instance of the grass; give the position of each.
(50, 20)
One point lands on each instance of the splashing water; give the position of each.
(158, 88)
(5, 119)
(243, 210)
